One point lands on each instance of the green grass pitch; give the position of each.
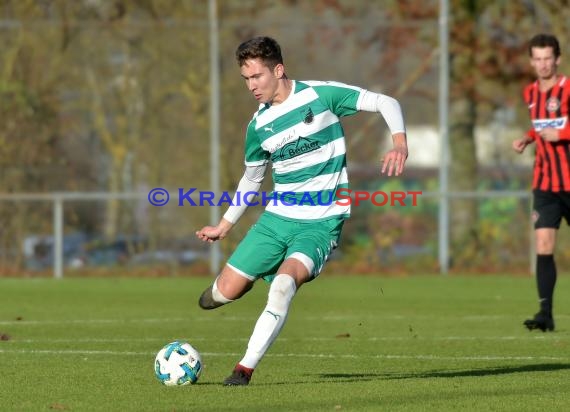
(424, 343)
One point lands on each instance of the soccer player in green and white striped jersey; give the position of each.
(297, 128)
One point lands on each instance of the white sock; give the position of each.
(271, 320)
(217, 295)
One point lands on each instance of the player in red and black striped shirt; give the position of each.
(548, 100)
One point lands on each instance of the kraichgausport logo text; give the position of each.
(342, 197)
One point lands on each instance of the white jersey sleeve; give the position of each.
(387, 106)
(250, 182)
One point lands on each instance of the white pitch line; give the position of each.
(309, 339)
(331, 318)
(92, 321)
(296, 355)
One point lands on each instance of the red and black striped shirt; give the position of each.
(550, 109)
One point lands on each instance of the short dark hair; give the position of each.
(544, 40)
(262, 47)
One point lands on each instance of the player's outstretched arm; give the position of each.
(249, 184)
(393, 162)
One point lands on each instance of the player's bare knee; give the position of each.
(545, 241)
(544, 247)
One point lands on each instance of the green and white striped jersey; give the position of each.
(304, 140)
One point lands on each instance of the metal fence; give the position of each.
(164, 236)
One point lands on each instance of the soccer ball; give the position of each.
(177, 364)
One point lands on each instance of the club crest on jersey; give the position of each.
(308, 116)
(552, 104)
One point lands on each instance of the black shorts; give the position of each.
(549, 208)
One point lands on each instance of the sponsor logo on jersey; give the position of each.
(301, 146)
(552, 104)
(290, 137)
(556, 123)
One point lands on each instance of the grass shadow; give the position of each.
(355, 377)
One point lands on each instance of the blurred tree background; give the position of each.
(114, 96)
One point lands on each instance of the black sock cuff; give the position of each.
(544, 258)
